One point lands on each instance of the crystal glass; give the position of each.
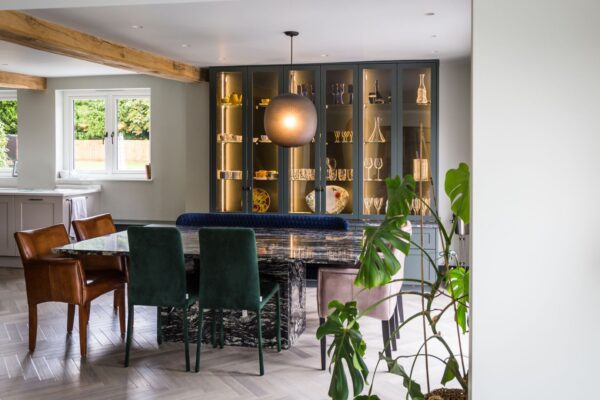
(368, 163)
(368, 204)
(378, 203)
(378, 164)
(341, 174)
(337, 133)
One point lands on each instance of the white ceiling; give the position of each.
(238, 32)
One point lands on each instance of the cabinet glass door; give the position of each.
(229, 122)
(378, 122)
(303, 175)
(339, 141)
(265, 84)
(416, 133)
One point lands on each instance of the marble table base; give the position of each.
(241, 330)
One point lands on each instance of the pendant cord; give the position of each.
(291, 51)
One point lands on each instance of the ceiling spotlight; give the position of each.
(222, 59)
(137, 27)
(324, 55)
(429, 14)
(185, 45)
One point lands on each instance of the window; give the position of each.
(8, 130)
(107, 132)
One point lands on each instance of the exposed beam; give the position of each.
(39, 34)
(13, 80)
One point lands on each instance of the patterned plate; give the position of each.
(261, 201)
(336, 199)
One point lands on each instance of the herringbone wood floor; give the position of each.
(55, 370)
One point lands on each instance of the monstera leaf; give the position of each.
(458, 279)
(346, 351)
(458, 189)
(377, 261)
(400, 194)
(414, 389)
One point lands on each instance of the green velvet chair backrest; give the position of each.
(229, 269)
(157, 266)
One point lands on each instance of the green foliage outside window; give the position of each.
(8, 126)
(133, 119)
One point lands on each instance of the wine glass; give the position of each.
(378, 202)
(368, 203)
(337, 134)
(378, 165)
(350, 134)
(341, 92)
(368, 163)
(344, 136)
(341, 174)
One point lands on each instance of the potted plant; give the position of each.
(449, 290)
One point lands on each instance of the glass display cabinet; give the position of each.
(378, 128)
(375, 120)
(417, 124)
(229, 132)
(340, 140)
(303, 170)
(265, 84)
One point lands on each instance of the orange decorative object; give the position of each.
(261, 201)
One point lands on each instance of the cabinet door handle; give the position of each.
(105, 136)
(35, 199)
(112, 138)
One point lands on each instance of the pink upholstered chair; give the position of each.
(338, 284)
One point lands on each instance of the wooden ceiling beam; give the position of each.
(13, 80)
(19, 28)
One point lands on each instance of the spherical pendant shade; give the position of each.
(291, 120)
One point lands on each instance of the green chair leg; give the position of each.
(213, 336)
(259, 344)
(199, 338)
(185, 337)
(222, 333)
(158, 327)
(129, 334)
(278, 321)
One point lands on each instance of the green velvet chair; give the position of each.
(229, 280)
(157, 277)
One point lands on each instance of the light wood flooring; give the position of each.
(55, 370)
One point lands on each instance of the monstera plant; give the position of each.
(449, 290)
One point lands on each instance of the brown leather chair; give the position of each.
(49, 277)
(96, 266)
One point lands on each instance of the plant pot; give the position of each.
(447, 394)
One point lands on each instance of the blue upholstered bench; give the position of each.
(263, 221)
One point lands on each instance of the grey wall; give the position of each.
(454, 127)
(180, 125)
(536, 138)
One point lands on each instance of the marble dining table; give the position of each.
(282, 255)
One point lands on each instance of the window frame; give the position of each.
(111, 145)
(9, 95)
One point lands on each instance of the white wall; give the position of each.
(454, 127)
(179, 120)
(536, 139)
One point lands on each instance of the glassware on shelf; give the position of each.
(341, 90)
(331, 163)
(341, 174)
(345, 136)
(350, 174)
(368, 204)
(378, 97)
(376, 135)
(350, 135)
(337, 134)
(350, 93)
(368, 163)
(378, 203)
(378, 164)
(422, 91)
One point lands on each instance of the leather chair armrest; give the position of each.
(55, 279)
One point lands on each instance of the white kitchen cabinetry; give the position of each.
(26, 210)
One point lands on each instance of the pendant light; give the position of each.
(290, 119)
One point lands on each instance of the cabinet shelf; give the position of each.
(374, 180)
(256, 178)
(229, 105)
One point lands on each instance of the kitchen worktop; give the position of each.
(59, 191)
